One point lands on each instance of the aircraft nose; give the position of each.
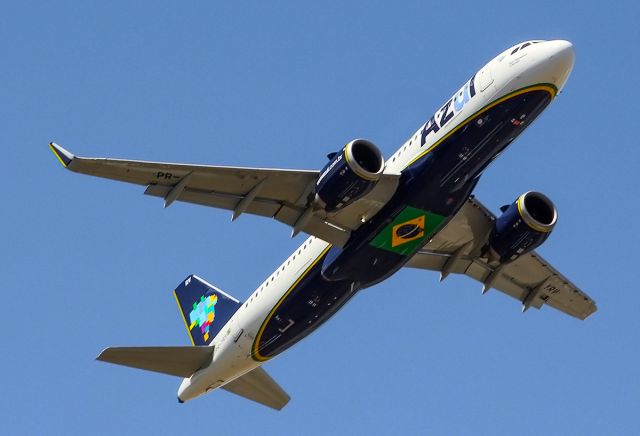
(560, 59)
(563, 53)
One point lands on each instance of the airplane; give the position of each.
(367, 217)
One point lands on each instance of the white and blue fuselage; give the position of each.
(449, 152)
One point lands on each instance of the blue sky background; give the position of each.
(89, 263)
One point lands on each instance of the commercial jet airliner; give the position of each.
(367, 217)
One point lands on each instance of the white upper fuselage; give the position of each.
(524, 65)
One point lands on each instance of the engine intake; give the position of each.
(523, 226)
(350, 174)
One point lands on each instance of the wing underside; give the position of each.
(282, 194)
(285, 196)
(530, 278)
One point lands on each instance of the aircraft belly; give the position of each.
(303, 308)
(470, 148)
(432, 190)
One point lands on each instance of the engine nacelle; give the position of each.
(350, 174)
(523, 226)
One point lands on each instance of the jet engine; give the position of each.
(524, 225)
(350, 174)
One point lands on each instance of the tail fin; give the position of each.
(205, 309)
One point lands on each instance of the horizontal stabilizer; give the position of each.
(258, 386)
(178, 361)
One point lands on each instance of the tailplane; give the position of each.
(258, 386)
(205, 308)
(178, 361)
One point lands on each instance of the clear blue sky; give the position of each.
(88, 263)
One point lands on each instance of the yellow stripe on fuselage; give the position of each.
(255, 352)
(544, 87)
(540, 87)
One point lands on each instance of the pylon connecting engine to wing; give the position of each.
(350, 174)
(524, 225)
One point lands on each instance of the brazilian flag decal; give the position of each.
(408, 231)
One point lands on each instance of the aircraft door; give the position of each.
(485, 78)
(240, 344)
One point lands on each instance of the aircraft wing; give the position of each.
(530, 278)
(277, 193)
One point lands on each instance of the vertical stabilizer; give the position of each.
(205, 308)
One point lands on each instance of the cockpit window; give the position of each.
(523, 45)
(516, 49)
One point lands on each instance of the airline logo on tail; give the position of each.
(201, 303)
(203, 314)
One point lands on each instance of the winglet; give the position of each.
(64, 156)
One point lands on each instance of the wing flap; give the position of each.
(259, 206)
(178, 361)
(258, 386)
